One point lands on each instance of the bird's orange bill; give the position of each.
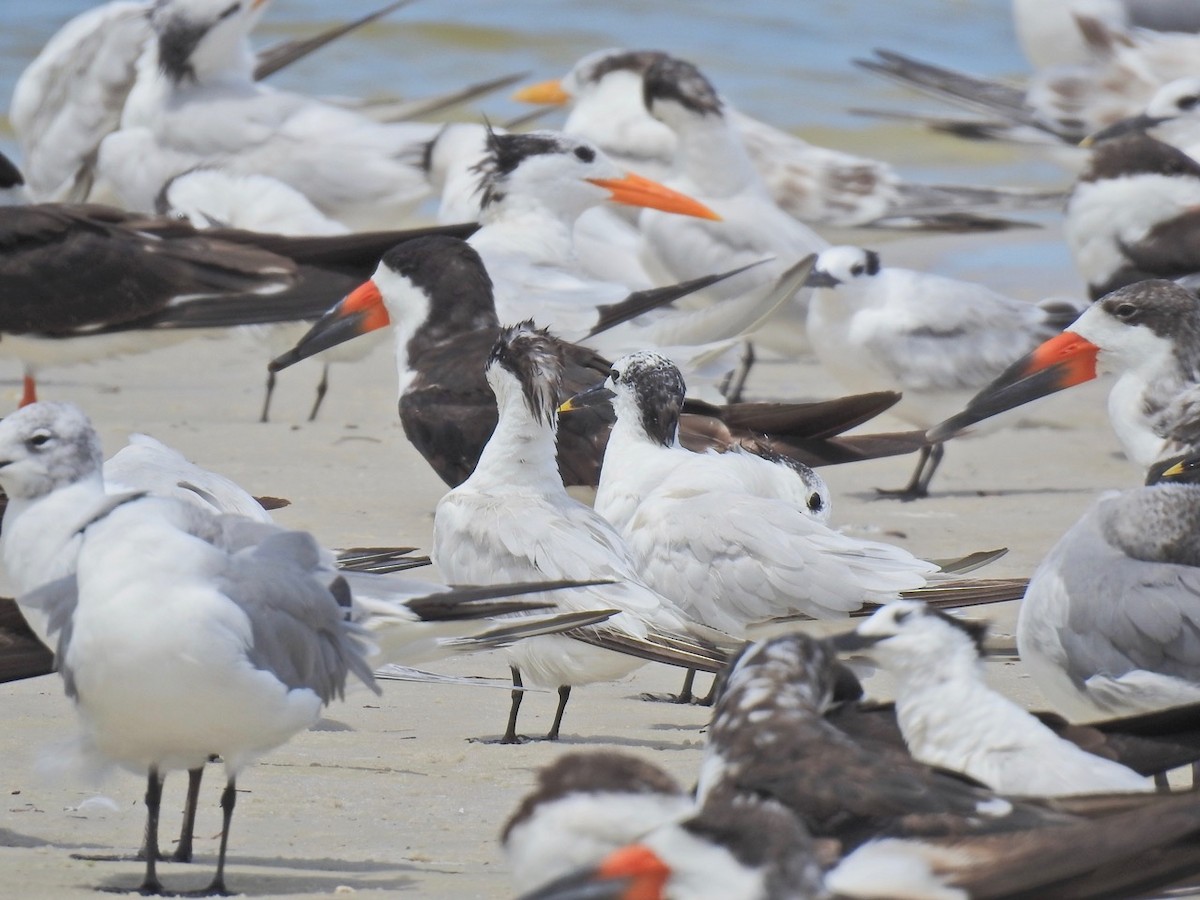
(634, 190)
(630, 873)
(361, 311)
(544, 93)
(1059, 363)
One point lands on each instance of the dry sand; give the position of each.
(390, 795)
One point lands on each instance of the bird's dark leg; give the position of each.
(1162, 784)
(918, 486)
(322, 387)
(737, 383)
(228, 799)
(151, 884)
(183, 852)
(266, 410)
(564, 694)
(510, 733)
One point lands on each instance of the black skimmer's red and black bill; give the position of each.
(936, 340)
(437, 297)
(1148, 335)
(1132, 214)
(585, 805)
(950, 718)
(818, 185)
(513, 519)
(84, 282)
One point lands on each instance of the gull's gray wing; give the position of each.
(298, 624)
(58, 599)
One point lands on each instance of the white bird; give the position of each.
(1148, 335)
(712, 165)
(512, 518)
(952, 719)
(937, 340)
(196, 99)
(1108, 625)
(817, 185)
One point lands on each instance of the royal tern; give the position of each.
(1049, 32)
(1148, 335)
(937, 340)
(437, 297)
(73, 92)
(814, 184)
(90, 281)
(513, 518)
(712, 165)
(195, 94)
(952, 719)
(584, 806)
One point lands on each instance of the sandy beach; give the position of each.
(390, 795)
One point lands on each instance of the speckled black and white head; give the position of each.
(792, 670)
(1149, 325)
(674, 91)
(649, 391)
(911, 634)
(527, 361)
(46, 446)
(200, 38)
(843, 265)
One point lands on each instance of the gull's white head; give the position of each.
(201, 39)
(46, 446)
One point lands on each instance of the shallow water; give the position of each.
(787, 62)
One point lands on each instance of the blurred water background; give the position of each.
(788, 62)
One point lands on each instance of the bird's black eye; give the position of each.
(1188, 102)
(1125, 311)
(857, 269)
(614, 375)
(587, 154)
(38, 438)
(903, 614)
(229, 11)
(815, 502)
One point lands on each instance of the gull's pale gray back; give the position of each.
(298, 623)
(45, 446)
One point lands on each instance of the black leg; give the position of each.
(685, 692)
(1161, 783)
(564, 694)
(322, 387)
(266, 410)
(918, 485)
(151, 884)
(510, 733)
(183, 852)
(737, 382)
(228, 799)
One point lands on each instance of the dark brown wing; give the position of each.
(22, 655)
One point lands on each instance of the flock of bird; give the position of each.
(584, 312)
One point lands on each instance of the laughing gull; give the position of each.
(937, 340)
(952, 719)
(513, 519)
(437, 297)
(1108, 624)
(1148, 335)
